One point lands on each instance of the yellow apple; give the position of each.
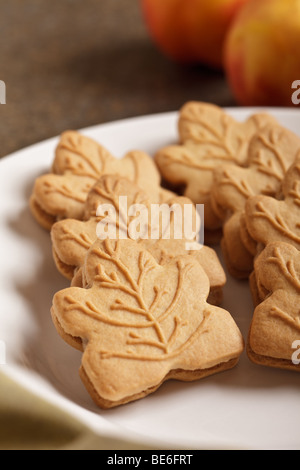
(190, 30)
(262, 53)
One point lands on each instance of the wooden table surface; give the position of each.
(68, 64)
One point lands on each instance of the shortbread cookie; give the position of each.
(139, 323)
(269, 219)
(270, 154)
(72, 238)
(208, 137)
(253, 284)
(79, 162)
(275, 325)
(245, 236)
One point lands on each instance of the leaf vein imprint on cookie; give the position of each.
(139, 307)
(82, 238)
(287, 268)
(286, 317)
(267, 167)
(271, 145)
(221, 140)
(277, 221)
(68, 192)
(186, 160)
(73, 147)
(242, 186)
(295, 193)
(165, 346)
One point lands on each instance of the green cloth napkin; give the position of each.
(29, 423)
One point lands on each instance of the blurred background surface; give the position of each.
(68, 64)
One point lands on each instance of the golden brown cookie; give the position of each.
(139, 323)
(79, 162)
(72, 238)
(269, 219)
(208, 137)
(275, 326)
(270, 154)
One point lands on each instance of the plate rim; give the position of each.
(93, 128)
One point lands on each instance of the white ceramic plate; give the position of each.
(247, 407)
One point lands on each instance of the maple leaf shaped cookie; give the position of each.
(269, 219)
(139, 323)
(270, 154)
(276, 321)
(208, 137)
(79, 162)
(72, 238)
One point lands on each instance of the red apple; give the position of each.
(262, 53)
(191, 30)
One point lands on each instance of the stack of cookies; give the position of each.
(146, 309)
(142, 310)
(248, 176)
